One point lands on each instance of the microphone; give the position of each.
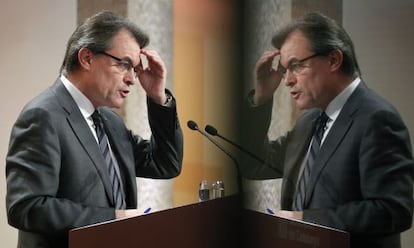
(193, 126)
(213, 131)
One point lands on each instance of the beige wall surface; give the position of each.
(35, 34)
(383, 36)
(32, 45)
(204, 85)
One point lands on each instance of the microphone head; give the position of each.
(192, 125)
(211, 130)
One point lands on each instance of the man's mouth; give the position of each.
(295, 94)
(124, 93)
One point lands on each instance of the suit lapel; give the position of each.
(335, 137)
(116, 142)
(330, 145)
(295, 153)
(121, 150)
(84, 135)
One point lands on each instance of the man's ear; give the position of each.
(85, 57)
(335, 59)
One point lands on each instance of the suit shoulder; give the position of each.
(369, 108)
(48, 106)
(110, 114)
(371, 101)
(49, 99)
(309, 115)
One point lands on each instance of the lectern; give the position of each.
(212, 224)
(263, 230)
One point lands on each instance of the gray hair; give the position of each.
(96, 33)
(324, 36)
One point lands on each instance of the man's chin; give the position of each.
(117, 104)
(301, 106)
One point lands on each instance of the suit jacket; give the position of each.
(56, 175)
(362, 179)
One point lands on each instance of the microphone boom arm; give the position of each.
(213, 131)
(193, 126)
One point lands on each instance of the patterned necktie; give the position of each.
(313, 152)
(104, 147)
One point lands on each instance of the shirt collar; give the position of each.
(84, 104)
(335, 106)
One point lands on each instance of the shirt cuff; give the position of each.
(168, 102)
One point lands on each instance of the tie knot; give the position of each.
(322, 119)
(321, 123)
(96, 117)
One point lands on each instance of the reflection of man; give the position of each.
(71, 160)
(352, 171)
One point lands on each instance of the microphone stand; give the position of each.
(213, 131)
(193, 126)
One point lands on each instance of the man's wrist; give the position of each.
(255, 100)
(168, 99)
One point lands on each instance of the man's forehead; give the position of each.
(126, 47)
(295, 46)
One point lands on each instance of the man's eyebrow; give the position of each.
(127, 59)
(293, 60)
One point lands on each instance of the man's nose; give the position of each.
(130, 77)
(290, 78)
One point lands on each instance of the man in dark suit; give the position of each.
(355, 170)
(57, 176)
